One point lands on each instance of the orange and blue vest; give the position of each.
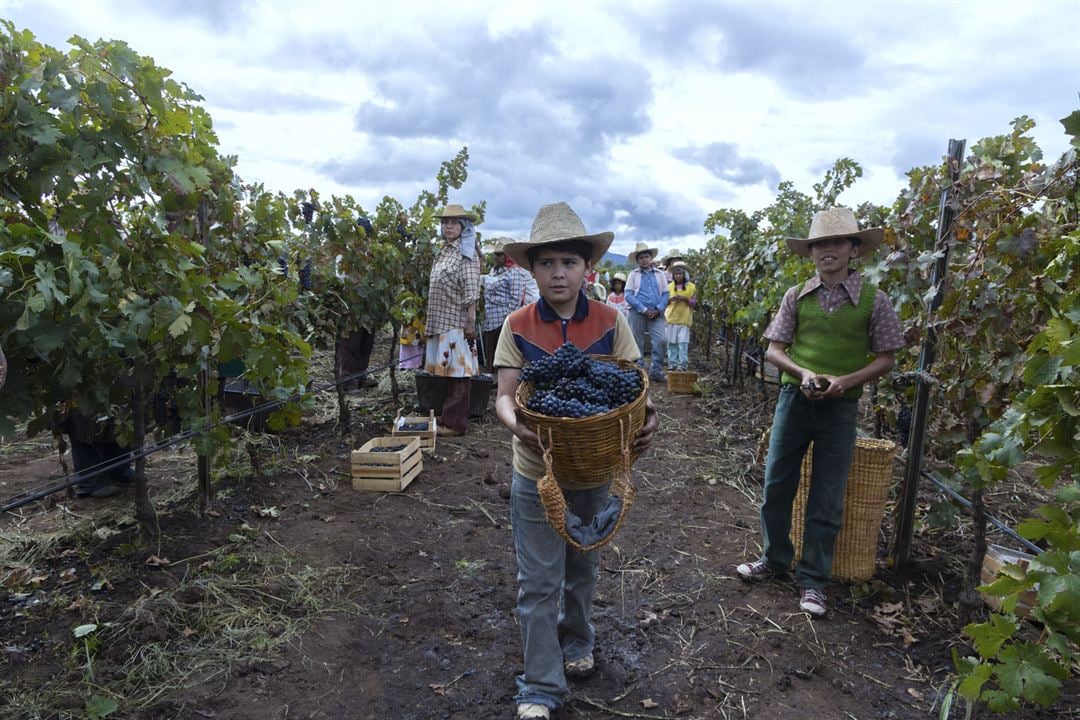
(539, 331)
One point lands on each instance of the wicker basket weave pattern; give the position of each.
(589, 452)
(864, 506)
(551, 495)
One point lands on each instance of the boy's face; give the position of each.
(644, 260)
(559, 275)
(833, 255)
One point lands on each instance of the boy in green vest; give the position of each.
(832, 334)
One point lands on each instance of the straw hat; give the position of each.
(620, 277)
(679, 265)
(557, 223)
(640, 248)
(673, 253)
(455, 212)
(498, 245)
(838, 222)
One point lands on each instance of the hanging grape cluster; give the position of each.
(571, 384)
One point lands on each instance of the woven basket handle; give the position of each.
(555, 503)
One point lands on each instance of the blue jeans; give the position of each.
(678, 356)
(639, 326)
(830, 424)
(556, 584)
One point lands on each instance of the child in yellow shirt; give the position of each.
(679, 315)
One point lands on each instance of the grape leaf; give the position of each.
(1025, 670)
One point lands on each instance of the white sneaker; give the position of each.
(812, 601)
(533, 711)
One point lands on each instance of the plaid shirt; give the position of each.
(886, 335)
(454, 285)
(504, 292)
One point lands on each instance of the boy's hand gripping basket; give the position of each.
(588, 452)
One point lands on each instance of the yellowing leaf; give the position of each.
(180, 325)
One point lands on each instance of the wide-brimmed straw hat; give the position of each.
(837, 222)
(678, 265)
(621, 277)
(640, 248)
(498, 245)
(455, 212)
(557, 223)
(673, 253)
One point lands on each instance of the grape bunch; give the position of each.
(308, 210)
(571, 384)
(305, 275)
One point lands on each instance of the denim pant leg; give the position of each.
(834, 447)
(658, 333)
(638, 327)
(673, 356)
(791, 435)
(541, 559)
(684, 355)
(576, 631)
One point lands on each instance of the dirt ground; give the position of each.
(298, 597)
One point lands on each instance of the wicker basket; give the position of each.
(551, 496)
(864, 506)
(681, 382)
(589, 452)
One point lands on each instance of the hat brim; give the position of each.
(869, 240)
(456, 216)
(519, 251)
(632, 256)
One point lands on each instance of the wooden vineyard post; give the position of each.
(395, 345)
(206, 490)
(905, 517)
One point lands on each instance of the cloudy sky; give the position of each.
(645, 117)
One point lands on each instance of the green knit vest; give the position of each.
(834, 343)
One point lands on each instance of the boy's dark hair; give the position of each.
(581, 248)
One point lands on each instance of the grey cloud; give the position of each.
(805, 58)
(217, 14)
(390, 160)
(724, 161)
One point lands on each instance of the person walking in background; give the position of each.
(450, 332)
(674, 255)
(504, 292)
(616, 297)
(832, 335)
(647, 295)
(679, 316)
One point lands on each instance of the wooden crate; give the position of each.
(386, 471)
(996, 558)
(426, 437)
(681, 382)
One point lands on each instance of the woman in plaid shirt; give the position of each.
(453, 291)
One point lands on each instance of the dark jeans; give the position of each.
(352, 353)
(491, 340)
(830, 425)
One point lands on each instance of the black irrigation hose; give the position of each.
(180, 437)
(993, 520)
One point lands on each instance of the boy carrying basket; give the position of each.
(556, 583)
(822, 340)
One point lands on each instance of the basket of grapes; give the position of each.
(586, 411)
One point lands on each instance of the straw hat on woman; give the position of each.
(450, 331)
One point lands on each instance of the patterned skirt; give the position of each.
(449, 354)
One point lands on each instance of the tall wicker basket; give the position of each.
(864, 506)
(589, 451)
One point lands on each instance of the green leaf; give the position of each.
(99, 707)
(1026, 671)
(180, 325)
(1041, 370)
(84, 630)
(991, 635)
(975, 678)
